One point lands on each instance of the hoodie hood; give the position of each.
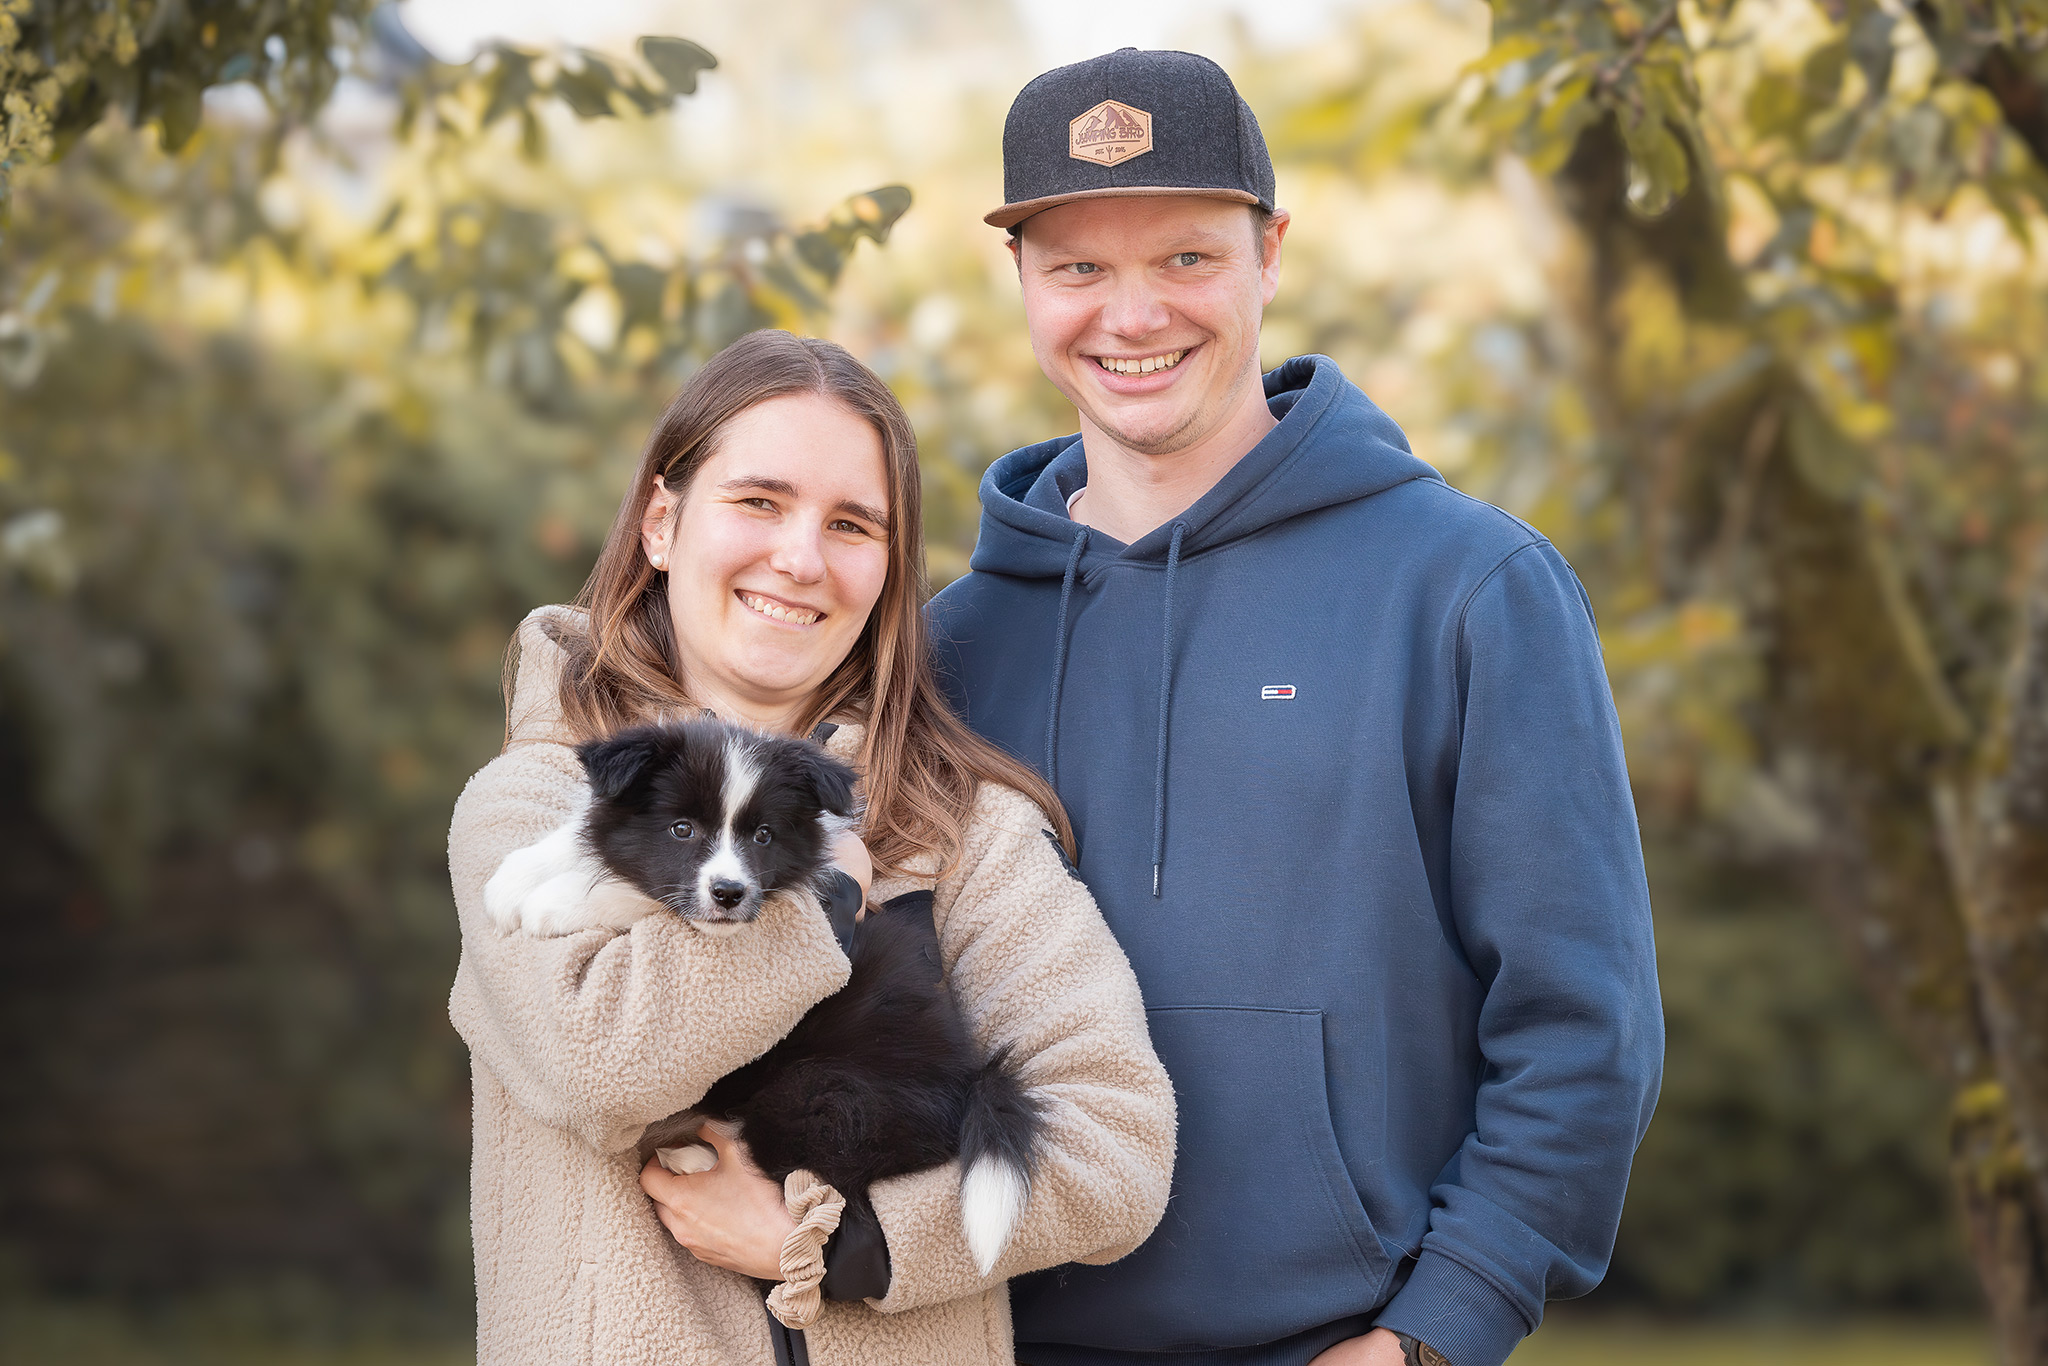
(1333, 445)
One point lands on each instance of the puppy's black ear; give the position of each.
(616, 763)
(831, 780)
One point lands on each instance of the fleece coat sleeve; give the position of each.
(599, 1033)
(1035, 968)
(1553, 914)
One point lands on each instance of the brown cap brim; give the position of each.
(1010, 215)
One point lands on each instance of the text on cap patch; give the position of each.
(1110, 133)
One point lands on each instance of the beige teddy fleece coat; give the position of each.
(578, 1042)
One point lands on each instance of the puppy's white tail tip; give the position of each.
(992, 1195)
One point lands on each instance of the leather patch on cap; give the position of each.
(1109, 133)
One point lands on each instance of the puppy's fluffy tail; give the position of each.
(998, 1145)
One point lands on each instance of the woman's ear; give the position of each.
(656, 523)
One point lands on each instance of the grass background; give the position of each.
(46, 1335)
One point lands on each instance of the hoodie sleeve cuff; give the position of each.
(1457, 1312)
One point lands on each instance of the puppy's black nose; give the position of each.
(728, 893)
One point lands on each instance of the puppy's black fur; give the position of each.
(879, 1079)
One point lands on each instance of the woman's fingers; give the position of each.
(659, 1182)
(851, 855)
(731, 1216)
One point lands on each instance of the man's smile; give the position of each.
(1141, 365)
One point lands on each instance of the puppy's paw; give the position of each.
(688, 1159)
(506, 893)
(559, 906)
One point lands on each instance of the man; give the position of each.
(1339, 750)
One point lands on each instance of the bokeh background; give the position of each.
(329, 332)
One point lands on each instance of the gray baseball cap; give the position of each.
(1129, 123)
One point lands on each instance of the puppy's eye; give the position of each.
(683, 830)
(764, 835)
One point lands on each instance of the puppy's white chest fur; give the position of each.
(557, 887)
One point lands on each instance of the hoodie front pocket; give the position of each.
(1264, 1235)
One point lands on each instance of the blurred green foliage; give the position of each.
(1796, 1161)
(293, 430)
(1809, 488)
(275, 484)
(64, 64)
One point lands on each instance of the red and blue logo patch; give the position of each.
(1277, 692)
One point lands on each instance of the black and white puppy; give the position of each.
(708, 821)
(704, 819)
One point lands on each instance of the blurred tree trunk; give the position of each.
(1993, 818)
(1931, 858)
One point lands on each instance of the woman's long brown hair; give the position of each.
(922, 767)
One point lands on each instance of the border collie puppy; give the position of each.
(706, 821)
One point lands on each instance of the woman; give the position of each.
(767, 566)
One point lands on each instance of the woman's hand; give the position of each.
(850, 856)
(731, 1216)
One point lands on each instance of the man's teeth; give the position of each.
(794, 615)
(1140, 367)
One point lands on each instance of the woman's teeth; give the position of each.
(1140, 367)
(796, 616)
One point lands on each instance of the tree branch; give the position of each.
(1610, 75)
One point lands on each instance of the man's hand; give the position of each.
(1377, 1348)
(731, 1216)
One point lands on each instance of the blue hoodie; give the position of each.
(1341, 758)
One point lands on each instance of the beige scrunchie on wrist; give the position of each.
(816, 1207)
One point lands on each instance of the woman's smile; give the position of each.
(780, 610)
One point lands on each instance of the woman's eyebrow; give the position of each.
(759, 481)
(788, 490)
(865, 513)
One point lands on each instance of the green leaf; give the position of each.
(879, 209)
(509, 85)
(1832, 135)
(588, 90)
(1513, 48)
(641, 289)
(1775, 105)
(1919, 139)
(2012, 209)
(1658, 171)
(785, 282)
(1556, 134)
(178, 112)
(1820, 76)
(1870, 44)
(677, 61)
(1566, 103)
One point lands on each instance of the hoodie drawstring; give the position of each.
(1165, 693)
(1059, 659)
